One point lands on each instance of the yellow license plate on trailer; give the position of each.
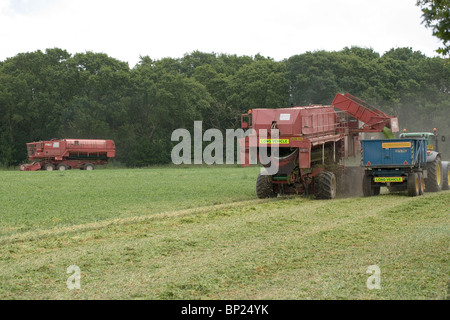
(275, 141)
(388, 179)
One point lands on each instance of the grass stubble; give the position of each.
(200, 233)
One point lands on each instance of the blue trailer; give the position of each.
(398, 164)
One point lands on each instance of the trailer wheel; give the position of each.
(368, 189)
(446, 179)
(88, 166)
(376, 191)
(433, 183)
(325, 185)
(264, 188)
(62, 167)
(422, 183)
(49, 167)
(413, 185)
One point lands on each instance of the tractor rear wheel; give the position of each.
(413, 185)
(264, 187)
(433, 183)
(446, 179)
(325, 185)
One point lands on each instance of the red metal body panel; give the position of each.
(297, 121)
(60, 149)
(374, 119)
(30, 166)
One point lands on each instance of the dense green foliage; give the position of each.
(436, 15)
(55, 94)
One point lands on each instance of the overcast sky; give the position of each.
(128, 29)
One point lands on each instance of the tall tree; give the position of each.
(52, 94)
(436, 15)
(261, 84)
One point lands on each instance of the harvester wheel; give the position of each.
(88, 166)
(422, 183)
(368, 189)
(325, 185)
(264, 188)
(413, 185)
(433, 183)
(62, 167)
(49, 167)
(446, 179)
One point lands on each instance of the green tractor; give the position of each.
(437, 171)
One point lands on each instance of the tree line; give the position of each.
(55, 94)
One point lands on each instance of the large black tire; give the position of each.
(413, 185)
(446, 178)
(369, 189)
(325, 186)
(264, 187)
(433, 182)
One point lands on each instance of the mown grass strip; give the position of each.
(289, 248)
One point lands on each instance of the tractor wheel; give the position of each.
(433, 183)
(446, 179)
(325, 185)
(376, 191)
(264, 188)
(62, 167)
(368, 189)
(422, 183)
(49, 167)
(413, 185)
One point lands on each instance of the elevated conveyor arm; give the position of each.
(374, 120)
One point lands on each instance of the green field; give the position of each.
(200, 233)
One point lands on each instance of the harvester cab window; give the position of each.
(31, 150)
(55, 144)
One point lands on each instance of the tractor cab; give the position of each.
(431, 137)
(438, 171)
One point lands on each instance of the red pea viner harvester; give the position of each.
(63, 154)
(314, 142)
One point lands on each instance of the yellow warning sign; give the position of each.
(392, 145)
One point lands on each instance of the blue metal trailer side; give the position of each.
(399, 164)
